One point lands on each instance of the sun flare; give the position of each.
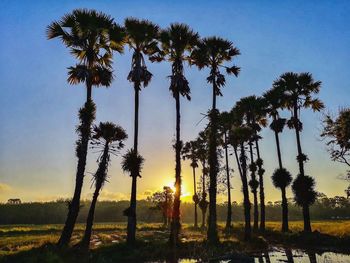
(185, 194)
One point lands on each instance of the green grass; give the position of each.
(30, 242)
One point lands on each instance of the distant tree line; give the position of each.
(112, 211)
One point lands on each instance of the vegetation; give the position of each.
(281, 178)
(337, 133)
(176, 42)
(141, 37)
(190, 152)
(112, 211)
(298, 90)
(34, 243)
(109, 137)
(213, 53)
(92, 37)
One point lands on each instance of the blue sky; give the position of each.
(39, 109)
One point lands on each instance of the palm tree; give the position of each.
(225, 124)
(189, 152)
(202, 153)
(260, 121)
(141, 37)
(298, 91)
(213, 52)
(109, 138)
(239, 136)
(177, 41)
(281, 178)
(254, 110)
(91, 37)
(246, 108)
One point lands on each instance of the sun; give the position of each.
(185, 194)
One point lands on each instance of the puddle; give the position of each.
(300, 256)
(277, 255)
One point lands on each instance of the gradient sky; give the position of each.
(39, 109)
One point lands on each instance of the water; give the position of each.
(299, 256)
(277, 255)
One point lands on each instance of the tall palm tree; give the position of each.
(254, 110)
(281, 178)
(91, 37)
(246, 108)
(108, 138)
(260, 121)
(202, 154)
(189, 152)
(177, 41)
(240, 135)
(141, 37)
(225, 124)
(214, 52)
(298, 91)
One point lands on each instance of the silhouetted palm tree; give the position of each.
(189, 152)
(177, 41)
(141, 37)
(246, 108)
(108, 138)
(202, 153)
(91, 37)
(213, 52)
(298, 90)
(240, 135)
(254, 110)
(225, 124)
(260, 121)
(281, 178)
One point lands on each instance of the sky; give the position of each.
(39, 108)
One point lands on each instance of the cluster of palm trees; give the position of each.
(93, 37)
(240, 130)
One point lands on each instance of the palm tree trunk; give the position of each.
(195, 202)
(212, 233)
(74, 206)
(90, 219)
(237, 160)
(254, 190)
(99, 181)
(229, 204)
(246, 202)
(204, 211)
(278, 147)
(175, 224)
(285, 227)
(306, 211)
(262, 191)
(131, 228)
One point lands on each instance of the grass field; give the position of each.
(16, 239)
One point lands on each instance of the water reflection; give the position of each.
(277, 255)
(289, 255)
(299, 256)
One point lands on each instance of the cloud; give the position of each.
(108, 195)
(5, 188)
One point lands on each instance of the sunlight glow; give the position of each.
(185, 194)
